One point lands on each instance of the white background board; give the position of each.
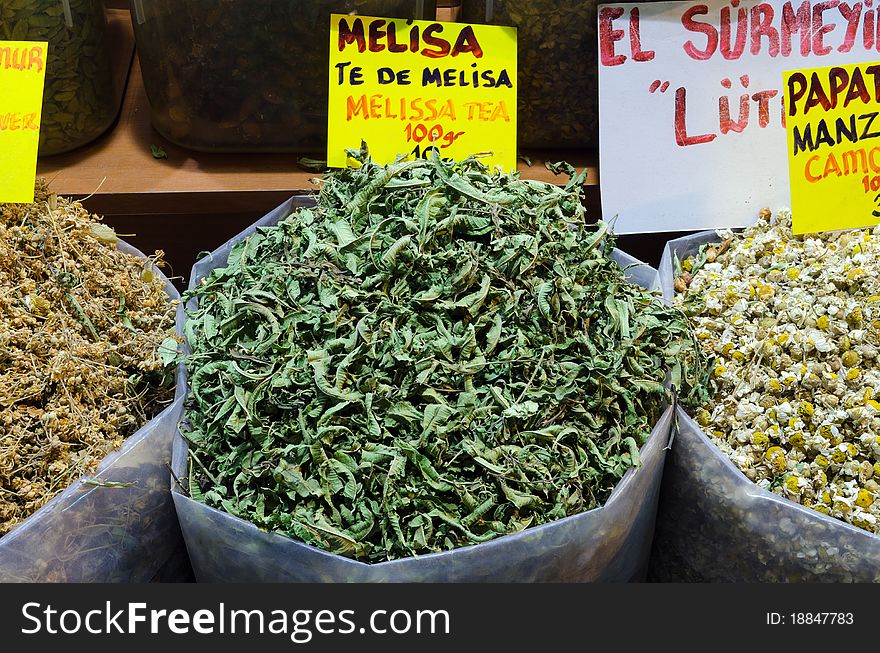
(651, 180)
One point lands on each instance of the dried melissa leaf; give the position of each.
(433, 356)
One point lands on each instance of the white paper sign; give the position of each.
(691, 103)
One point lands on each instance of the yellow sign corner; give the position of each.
(407, 87)
(22, 75)
(833, 135)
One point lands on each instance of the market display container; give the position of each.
(715, 525)
(557, 71)
(610, 543)
(117, 525)
(236, 76)
(79, 100)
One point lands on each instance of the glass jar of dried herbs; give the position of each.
(557, 73)
(245, 76)
(433, 356)
(79, 100)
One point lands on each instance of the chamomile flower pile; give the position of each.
(794, 325)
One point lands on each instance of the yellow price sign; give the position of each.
(22, 74)
(407, 87)
(833, 131)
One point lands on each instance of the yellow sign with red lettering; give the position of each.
(22, 74)
(405, 87)
(833, 131)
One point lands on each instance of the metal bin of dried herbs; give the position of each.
(436, 373)
(80, 101)
(240, 76)
(87, 399)
(776, 477)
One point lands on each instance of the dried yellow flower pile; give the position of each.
(794, 325)
(81, 324)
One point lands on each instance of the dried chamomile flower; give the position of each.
(793, 323)
(80, 331)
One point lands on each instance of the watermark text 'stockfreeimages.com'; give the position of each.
(301, 626)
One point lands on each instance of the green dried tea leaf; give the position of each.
(95, 482)
(168, 350)
(158, 152)
(315, 165)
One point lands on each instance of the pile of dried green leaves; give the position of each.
(432, 357)
(81, 324)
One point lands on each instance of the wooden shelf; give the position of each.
(120, 174)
